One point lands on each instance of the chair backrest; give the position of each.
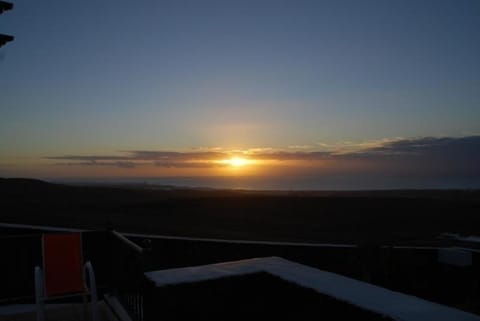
(63, 264)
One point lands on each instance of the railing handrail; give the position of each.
(128, 242)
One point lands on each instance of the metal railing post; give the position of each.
(39, 292)
(93, 290)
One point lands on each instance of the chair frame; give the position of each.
(89, 289)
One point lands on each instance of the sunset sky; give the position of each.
(344, 94)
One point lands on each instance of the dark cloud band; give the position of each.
(446, 155)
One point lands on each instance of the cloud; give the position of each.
(427, 157)
(302, 147)
(88, 158)
(120, 164)
(189, 164)
(346, 147)
(454, 150)
(174, 156)
(430, 145)
(420, 156)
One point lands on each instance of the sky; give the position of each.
(344, 93)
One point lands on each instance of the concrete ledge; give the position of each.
(395, 305)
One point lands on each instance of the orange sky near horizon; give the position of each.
(227, 166)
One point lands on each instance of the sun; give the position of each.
(237, 162)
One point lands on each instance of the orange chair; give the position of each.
(63, 273)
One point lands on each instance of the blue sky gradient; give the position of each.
(89, 77)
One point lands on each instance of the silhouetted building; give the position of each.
(4, 6)
(4, 39)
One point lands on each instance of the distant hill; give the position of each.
(300, 216)
(25, 186)
(22, 183)
(16, 187)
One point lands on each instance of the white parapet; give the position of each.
(395, 305)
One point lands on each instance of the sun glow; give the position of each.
(236, 162)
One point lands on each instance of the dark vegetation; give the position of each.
(361, 217)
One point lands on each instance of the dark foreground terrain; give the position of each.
(360, 217)
(371, 220)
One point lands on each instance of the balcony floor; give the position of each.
(55, 312)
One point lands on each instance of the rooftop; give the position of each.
(373, 298)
